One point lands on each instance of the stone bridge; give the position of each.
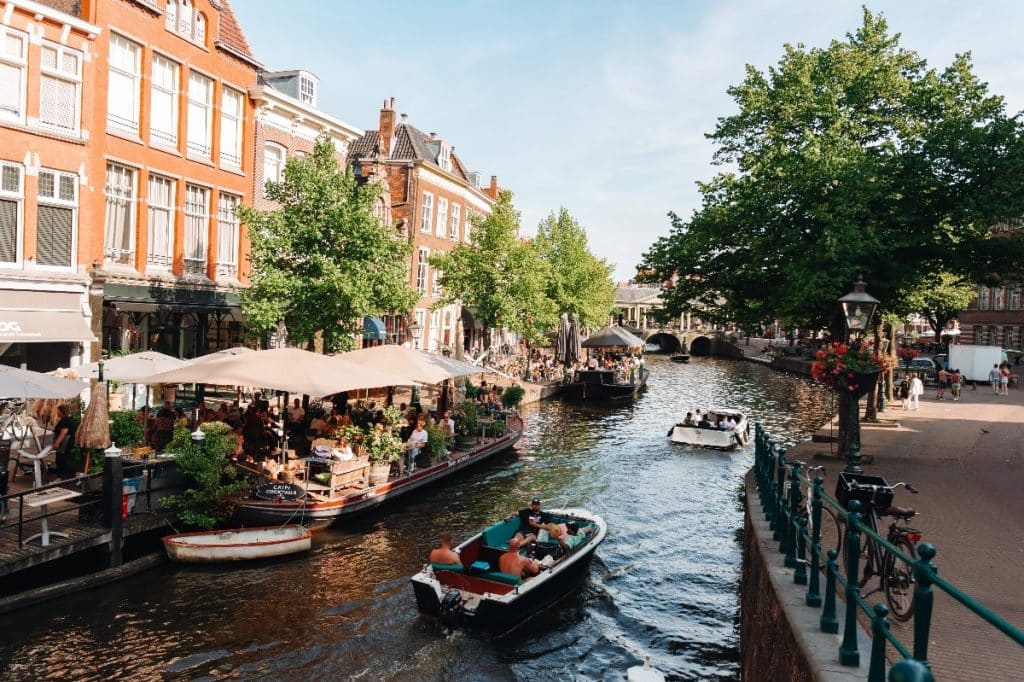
(695, 342)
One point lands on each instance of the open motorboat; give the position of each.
(474, 591)
(239, 544)
(724, 439)
(680, 357)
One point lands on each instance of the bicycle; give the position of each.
(895, 577)
(831, 526)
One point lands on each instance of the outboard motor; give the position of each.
(451, 610)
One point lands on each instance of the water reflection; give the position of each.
(663, 585)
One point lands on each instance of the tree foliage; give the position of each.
(578, 282)
(323, 260)
(501, 277)
(939, 298)
(213, 485)
(852, 159)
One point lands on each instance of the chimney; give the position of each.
(387, 127)
(492, 191)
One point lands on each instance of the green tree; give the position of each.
(579, 282)
(323, 260)
(856, 158)
(213, 484)
(939, 298)
(500, 276)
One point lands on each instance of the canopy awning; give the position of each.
(42, 317)
(613, 337)
(374, 329)
(24, 383)
(419, 366)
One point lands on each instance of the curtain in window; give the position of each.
(8, 231)
(118, 216)
(160, 251)
(54, 235)
(227, 235)
(196, 224)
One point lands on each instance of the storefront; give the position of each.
(44, 329)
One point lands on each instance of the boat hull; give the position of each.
(594, 386)
(238, 545)
(712, 438)
(680, 358)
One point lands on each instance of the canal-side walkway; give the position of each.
(967, 460)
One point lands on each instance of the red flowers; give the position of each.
(838, 365)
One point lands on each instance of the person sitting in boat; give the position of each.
(531, 521)
(689, 420)
(416, 443)
(572, 537)
(705, 423)
(513, 563)
(729, 424)
(444, 553)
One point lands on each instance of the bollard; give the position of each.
(924, 598)
(828, 622)
(768, 502)
(794, 511)
(848, 653)
(910, 670)
(781, 522)
(879, 628)
(813, 587)
(800, 575)
(113, 481)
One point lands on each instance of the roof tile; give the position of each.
(230, 33)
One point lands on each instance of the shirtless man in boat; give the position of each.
(513, 563)
(444, 553)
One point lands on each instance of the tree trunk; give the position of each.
(871, 412)
(889, 372)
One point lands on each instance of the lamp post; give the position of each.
(858, 308)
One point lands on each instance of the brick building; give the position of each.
(432, 195)
(996, 316)
(48, 57)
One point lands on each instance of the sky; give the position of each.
(597, 106)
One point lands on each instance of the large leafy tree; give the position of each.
(499, 275)
(939, 298)
(852, 159)
(323, 260)
(579, 282)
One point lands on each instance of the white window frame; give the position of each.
(467, 225)
(18, 197)
(437, 290)
(435, 328)
(55, 200)
(427, 213)
(420, 317)
(119, 196)
(154, 260)
(453, 232)
(199, 109)
(423, 270)
(58, 74)
(278, 164)
(984, 297)
(115, 122)
(442, 216)
(1015, 296)
(171, 16)
(231, 154)
(164, 138)
(197, 229)
(18, 63)
(444, 157)
(307, 90)
(228, 229)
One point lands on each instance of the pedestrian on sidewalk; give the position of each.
(916, 389)
(1004, 380)
(993, 378)
(943, 382)
(904, 392)
(955, 380)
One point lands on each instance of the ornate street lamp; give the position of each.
(858, 308)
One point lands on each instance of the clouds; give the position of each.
(600, 107)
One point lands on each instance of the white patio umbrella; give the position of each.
(127, 368)
(24, 383)
(284, 369)
(227, 352)
(419, 366)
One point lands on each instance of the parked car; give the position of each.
(923, 367)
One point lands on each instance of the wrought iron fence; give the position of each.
(778, 484)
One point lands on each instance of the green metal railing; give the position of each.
(778, 485)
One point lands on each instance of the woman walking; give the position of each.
(955, 380)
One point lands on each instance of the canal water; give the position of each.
(662, 587)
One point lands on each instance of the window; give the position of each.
(55, 227)
(1015, 297)
(185, 20)
(171, 15)
(200, 110)
(437, 282)
(123, 86)
(11, 195)
(442, 215)
(197, 221)
(227, 235)
(273, 164)
(998, 298)
(435, 323)
(13, 62)
(307, 90)
(231, 128)
(422, 271)
(160, 213)
(427, 215)
(419, 316)
(199, 28)
(453, 232)
(444, 157)
(119, 218)
(163, 102)
(60, 83)
(468, 225)
(983, 298)
(1007, 337)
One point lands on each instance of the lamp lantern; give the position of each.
(858, 307)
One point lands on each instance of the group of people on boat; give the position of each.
(625, 366)
(710, 420)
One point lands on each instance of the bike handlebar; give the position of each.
(855, 485)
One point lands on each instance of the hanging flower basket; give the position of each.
(848, 368)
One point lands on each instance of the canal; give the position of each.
(663, 586)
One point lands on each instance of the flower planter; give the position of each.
(379, 473)
(865, 382)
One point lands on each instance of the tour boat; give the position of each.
(475, 592)
(601, 384)
(238, 545)
(680, 357)
(714, 438)
(350, 491)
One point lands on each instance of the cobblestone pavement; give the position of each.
(967, 460)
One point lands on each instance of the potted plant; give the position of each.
(437, 446)
(383, 447)
(512, 396)
(125, 429)
(213, 487)
(848, 368)
(467, 424)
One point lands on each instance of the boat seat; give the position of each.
(454, 568)
(499, 577)
(499, 534)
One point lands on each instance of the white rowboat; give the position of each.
(242, 544)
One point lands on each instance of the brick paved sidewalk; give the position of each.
(967, 460)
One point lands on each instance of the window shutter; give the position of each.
(8, 231)
(10, 89)
(58, 103)
(53, 236)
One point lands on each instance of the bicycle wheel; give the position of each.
(899, 581)
(831, 531)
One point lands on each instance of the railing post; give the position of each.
(781, 523)
(879, 628)
(828, 622)
(813, 587)
(794, 511)
(848, 653)
(800, 575)
(924, 598)
(910, 670)
(768, 499)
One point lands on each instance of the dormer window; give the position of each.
(444, 157)
(307, 90)
(184, 19)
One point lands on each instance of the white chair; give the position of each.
(37, 461)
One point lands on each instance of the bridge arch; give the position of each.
(700, 346)
(669, 343)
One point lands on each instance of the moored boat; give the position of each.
(601, 384)
(240, 544)
(680, 357)
(475, 592)
(723, 439)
